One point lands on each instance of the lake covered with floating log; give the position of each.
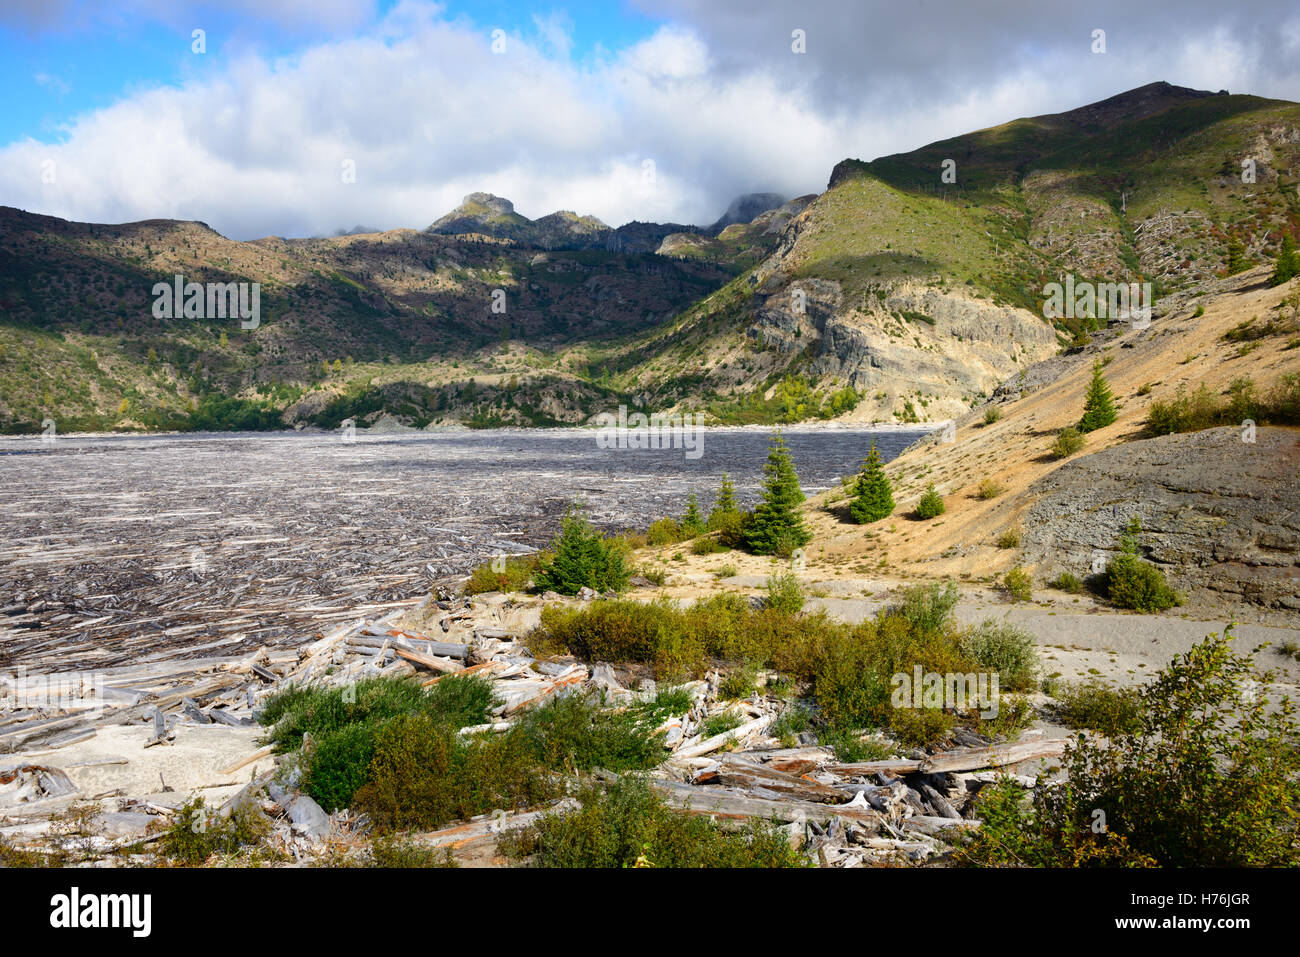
(120, 548)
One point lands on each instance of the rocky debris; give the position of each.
(1219, 515)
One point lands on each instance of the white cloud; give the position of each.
(427, 112)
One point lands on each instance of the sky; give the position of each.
(307, 117)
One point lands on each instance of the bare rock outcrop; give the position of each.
(1220, 516)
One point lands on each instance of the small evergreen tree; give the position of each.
(1099, 404)
(582, 558)
(692, 521)
(1236, 257)
(777, 522)
(725, 502)
(1287, 265)
(873, 495)
(931, 504)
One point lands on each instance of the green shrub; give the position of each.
(424, 775)
(740, 683)
(992, 414)
(1067, 582)
(458, 700)
(785, 593)
(707, 545)
(792, 721)
(516, 574)
(1014, 832)
(931, 504)
(928, 609)
(1209, 778)
(1010, 537)
(1134, 583)
(720, 723)
(337, 765)
(852, 747)
(725, 571)
(1100, 707)
(196, 833)
(990, 489)
(1131, 582)
(577, 732)
(655, 576)
(666, 531)
(1068, 441)
(582, 558)
(390, 850)
(1006, 649)
(732, 528)
(628, 826)
(622, 631)
(1018, 584)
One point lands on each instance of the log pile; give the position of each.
(847, 814)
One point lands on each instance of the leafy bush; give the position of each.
(582, 558)
(931, 504)
(1207, 776)
(1100, 707)
(732, 527)
(665, 531)
(1018, 584)
(1010, 537)
(1067, 582)
(424, 775)
(707, 545)
(992, 414)
(628, 826)
(389, 850)
(740, 683)
(852, 746)
(785, 594)
(1006, 649)
(1068, 441)
(196, 833)
(720, 723)
(578, 732)
(458, 700)
(1134, 583)
(928, 609)
(515, 575)
(337, 765)
(990, 489)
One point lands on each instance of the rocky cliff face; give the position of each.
(1217, 513)
(919, 349)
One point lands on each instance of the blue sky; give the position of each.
(54, 70)
(307, 117)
